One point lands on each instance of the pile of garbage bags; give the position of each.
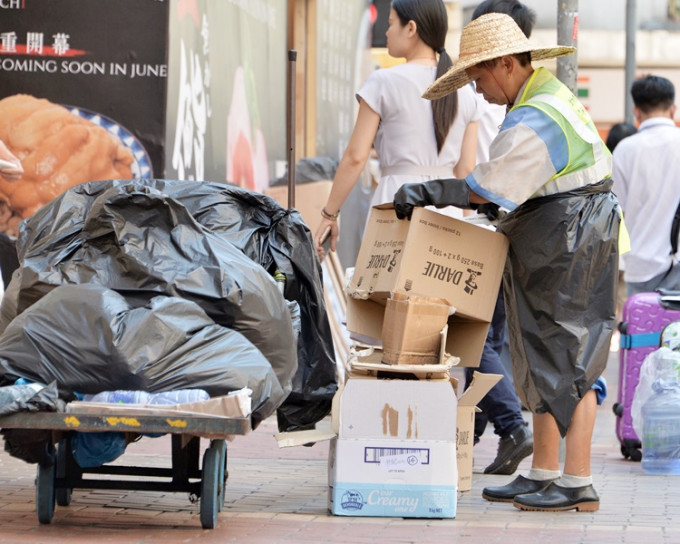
(158, 285)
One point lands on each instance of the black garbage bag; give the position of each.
(276, 238)
(560, 292)
(311, 169)
(88, 339)
(96, 232)
(30, 445)
(134, 239)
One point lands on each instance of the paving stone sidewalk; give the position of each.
(280, 496)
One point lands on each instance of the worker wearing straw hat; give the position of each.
(551, 171)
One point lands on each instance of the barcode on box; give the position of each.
(373, 454)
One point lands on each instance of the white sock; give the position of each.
(541, 475)
(567, 480)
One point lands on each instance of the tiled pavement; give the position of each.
(278, 495)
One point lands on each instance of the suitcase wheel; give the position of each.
(631, 449)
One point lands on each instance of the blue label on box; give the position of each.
(408, 501)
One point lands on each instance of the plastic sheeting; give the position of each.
(210, 244)
(30, 444)
(26, 398)
(560, 286)
(96, 449)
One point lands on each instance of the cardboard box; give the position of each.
(396, 445)
(411, 332)
(467, 406)
(430, 255)
(309, 199)
(465, 337)
(395, 453)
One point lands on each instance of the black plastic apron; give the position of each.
(560, 289)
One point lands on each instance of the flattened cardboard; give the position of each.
(299, 438)
(431, 255)
(367, 361)
(235, 404)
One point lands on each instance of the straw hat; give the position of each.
(490, 36)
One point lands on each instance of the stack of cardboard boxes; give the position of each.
(424, 290)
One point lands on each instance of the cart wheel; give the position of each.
(44, 490)
(221, 447)
(63, 494)
(210, 488)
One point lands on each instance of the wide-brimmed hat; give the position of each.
(488, 37)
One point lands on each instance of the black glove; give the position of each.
(437, 192)
(489, 209)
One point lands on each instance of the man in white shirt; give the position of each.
(646, 174)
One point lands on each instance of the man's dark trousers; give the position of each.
(500, 405)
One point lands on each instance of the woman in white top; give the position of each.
(415, 139)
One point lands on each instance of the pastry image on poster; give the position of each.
(141, 162)
(60, 147)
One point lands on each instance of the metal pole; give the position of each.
(567, 34)
(292, 56)
(631, 28)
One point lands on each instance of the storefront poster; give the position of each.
(226, 116)
(82, 95)
(343, 63)
(104, 57)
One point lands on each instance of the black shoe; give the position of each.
(519, 486)
(555, 498)
(518, 444)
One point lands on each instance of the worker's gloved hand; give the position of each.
(437, 192)
(490, 210)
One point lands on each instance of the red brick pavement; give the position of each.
(279, 496)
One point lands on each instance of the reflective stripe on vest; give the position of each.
(579, 132)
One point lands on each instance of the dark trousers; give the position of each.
(501, 405)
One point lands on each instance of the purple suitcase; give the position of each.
(644, 317)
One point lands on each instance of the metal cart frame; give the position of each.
(60, 474)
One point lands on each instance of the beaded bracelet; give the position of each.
(329, 216)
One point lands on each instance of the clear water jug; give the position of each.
(661, 433)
